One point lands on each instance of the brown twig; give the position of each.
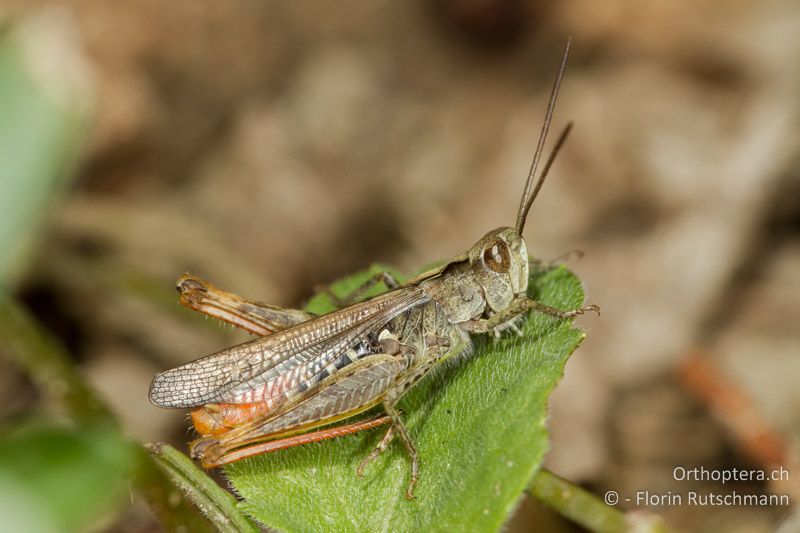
(735, 409)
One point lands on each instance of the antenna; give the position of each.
(530, 192)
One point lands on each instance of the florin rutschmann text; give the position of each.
(694, 498)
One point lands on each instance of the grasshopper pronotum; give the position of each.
(308, 371)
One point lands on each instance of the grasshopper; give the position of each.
(307, 372)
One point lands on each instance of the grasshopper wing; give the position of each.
(355, 389)
(276, 367)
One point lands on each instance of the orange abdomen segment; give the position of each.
(217, 418)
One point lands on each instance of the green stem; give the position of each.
(586, 509)
(25, 343)
(218, 505)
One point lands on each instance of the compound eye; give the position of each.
(496, 257)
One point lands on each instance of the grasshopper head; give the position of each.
(499, 262)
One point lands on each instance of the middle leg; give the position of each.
(397, 428)
(379, 449)
(405, 436)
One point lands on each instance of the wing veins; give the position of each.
(207, 380)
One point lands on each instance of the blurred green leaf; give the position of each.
(479, 427)
(43, 119)
(24, 342)
(61, 479)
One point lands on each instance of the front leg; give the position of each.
(520, 306)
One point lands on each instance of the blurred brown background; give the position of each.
(275, 146)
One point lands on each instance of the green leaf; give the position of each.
(478, 424)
